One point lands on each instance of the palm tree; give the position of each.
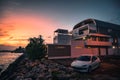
(36, 48)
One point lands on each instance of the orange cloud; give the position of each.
(3, 33)
(23, 26)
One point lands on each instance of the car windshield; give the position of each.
(84, 58)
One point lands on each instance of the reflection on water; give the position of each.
(7, 58)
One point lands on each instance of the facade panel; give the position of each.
(90, 36)
(62, 51)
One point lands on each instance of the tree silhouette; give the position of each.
(36, 48)
(19, 50)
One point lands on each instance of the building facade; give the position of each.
(90, 36)
(95, 37)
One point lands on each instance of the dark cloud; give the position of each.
(6, 25)
(65, 11)
(6, 7)
(7, 47)
(3, 33)
(12, 39)
(17, 39)
(4, 29)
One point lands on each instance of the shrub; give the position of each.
(36, 49)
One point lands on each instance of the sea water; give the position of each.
(7, 58)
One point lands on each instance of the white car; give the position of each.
(86, 63)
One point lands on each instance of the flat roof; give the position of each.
(98, 23)
(61, 31)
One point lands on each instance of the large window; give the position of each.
(83, 30)
(94, 38)
(103, 39)
(80, 32)
(92, 31)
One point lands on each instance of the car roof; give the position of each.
(87, 55)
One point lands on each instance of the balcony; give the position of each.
(97, 43)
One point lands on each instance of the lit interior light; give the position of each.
(89, 47)
(113, 47)
(84, 38)
(78, 47)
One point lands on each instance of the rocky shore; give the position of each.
(39, 70)
(25, 69)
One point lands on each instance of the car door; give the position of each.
(94, 62)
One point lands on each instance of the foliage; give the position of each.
(36, 48)
(19, 50)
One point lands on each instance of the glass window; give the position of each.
(92, 31)
(94, 38)
(94, 58)
(84, 58)
(103, 39)
(80, 32)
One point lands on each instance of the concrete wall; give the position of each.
(112, 51)
(77, 52)
(78, 48)
(58, 51)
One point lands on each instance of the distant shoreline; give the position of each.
(1, 51)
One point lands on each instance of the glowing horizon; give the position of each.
(17, 29)
(22, 19)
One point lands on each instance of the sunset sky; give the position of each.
(22, 19)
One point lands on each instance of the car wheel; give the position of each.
(89, 69)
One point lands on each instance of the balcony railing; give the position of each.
(97, 43)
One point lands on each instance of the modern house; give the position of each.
(62, 36)
(61, 45)
(90, 36)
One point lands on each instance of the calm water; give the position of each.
(7, 58)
